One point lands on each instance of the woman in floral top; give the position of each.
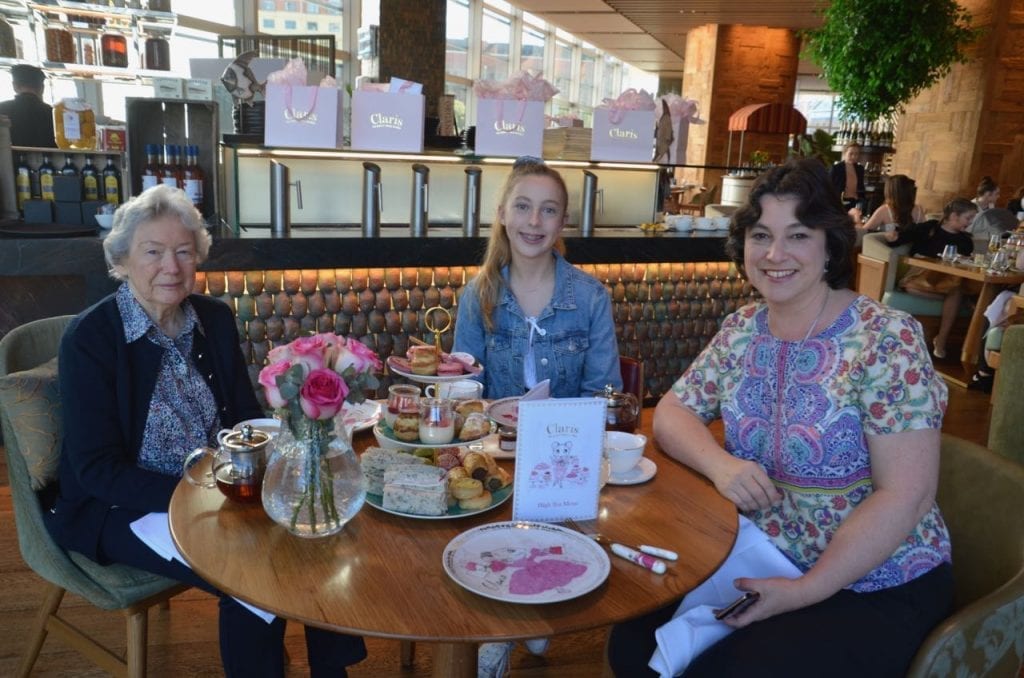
(832, 415)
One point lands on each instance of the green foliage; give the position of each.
(817, 145)
(879, 54)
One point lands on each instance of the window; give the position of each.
(494, 49)
(531, 53)
(588, 77)
(291, 6)
(312, 9)
(290, 25)
(268, 23)
(334, 28)
(609, 88)
(312, 26)
(563, 69)
(456, 60)
(461, 93)
(267, 5)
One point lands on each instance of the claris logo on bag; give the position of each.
(502, 127)
(378, 120)
(616, 133)
(307, 118)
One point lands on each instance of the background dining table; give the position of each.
(382, 575)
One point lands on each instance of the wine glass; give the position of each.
(994, 243)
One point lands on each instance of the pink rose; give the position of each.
(354, 354)
(268, 380)
(309, 352)
(322, 394)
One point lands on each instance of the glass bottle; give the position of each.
(193, 177)
(112, 182)
(114, 48)
(69, 169)
(46, 172)
(170, 172)
(90, 180)
(158, 54)
(23, 181)
(151, 170)
(74, 124)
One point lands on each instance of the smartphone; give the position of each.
(738, 605)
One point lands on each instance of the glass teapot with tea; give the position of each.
(623, 413)
(237, 464)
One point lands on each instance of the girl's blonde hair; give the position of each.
(499, 250)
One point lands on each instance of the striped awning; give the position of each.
(769, 119)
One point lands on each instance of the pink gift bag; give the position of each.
(623, 135)
(509, 127)
(305, 117)
(387, 121)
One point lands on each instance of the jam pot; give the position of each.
(623, 413)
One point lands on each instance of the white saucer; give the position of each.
(641, 473)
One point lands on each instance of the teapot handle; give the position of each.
(209, 482)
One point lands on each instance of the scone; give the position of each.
(477, 425)
(423, 360)
(407, 426)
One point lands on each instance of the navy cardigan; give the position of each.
(106, 385)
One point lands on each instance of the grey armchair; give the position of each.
(29, 415)
(981, 495)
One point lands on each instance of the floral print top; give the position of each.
(182, 411)
(803, 411)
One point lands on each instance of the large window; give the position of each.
(531, 54)
(495, 44)
(563, 69)
(456, 60)
(588, 77)
(292, 16)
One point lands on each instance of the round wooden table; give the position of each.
(382, 575)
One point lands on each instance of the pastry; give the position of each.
(423, 360)
(468, 407)
(479, 502)
(477, 425)
(407, 426)
(466, 488)
(449, 368)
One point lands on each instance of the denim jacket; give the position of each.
(577, 352)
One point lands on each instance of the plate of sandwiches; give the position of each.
(452, 483)
(427, 364)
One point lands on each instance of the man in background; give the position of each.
(31, 117)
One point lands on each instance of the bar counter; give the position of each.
(670, 291)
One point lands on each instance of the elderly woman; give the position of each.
(147, 375)
(832, 415)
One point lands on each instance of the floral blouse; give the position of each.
(804, 410)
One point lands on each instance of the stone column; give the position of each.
(412, 45)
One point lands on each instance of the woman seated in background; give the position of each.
(987, 194)
(147, 375)
(832, 415)
(1014, 204)
(530, 315)
(900, 209)
(930, 238)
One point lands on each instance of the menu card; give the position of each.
(558, 459)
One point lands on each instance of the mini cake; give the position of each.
(449, 368)
(420, 490)
(407, 426)
(375, 460)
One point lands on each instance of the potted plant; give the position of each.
(875, 73)
(817, 145)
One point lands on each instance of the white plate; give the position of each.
(498, 498)
(539, 562)
(641, 473)
(361, 416)
(386, 438)
(505, 412)
(432, 378)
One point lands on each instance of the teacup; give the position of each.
(684, 222)
(464, 389)
(722, 222)
(705, 224)
(623, 450)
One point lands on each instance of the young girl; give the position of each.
(530, 315)
(899, 209)
(929, 238)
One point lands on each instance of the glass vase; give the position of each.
(313, 484)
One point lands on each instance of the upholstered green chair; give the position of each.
(1006, 428)
(30, 417)
(981, 495)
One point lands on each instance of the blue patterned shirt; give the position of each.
(182, 411)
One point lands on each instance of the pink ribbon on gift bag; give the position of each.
(288, 105)
(630, 100)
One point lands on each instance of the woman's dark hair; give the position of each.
(958, 206)
(901, 194)
(819, 208)
(986, 185)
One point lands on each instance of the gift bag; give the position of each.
(509, 127)
(387, 121)
(305, 117)
(624, 136)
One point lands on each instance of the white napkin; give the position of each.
(694, 628)
(541, 391)
(155, 532)
(998, 311)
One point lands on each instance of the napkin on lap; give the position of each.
(693, 627)
(154, 531)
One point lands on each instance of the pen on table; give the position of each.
(641, 559)
(643, 548)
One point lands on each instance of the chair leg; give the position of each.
(138, 630)
(54, 595)
(407, 653)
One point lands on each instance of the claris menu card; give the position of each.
(558, 459)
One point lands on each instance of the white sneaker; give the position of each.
(537, 646)
(493, 660)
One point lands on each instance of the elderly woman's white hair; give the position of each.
(154, 203)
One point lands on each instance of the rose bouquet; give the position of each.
(309, 485)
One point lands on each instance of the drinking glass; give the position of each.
(994, 243)
(402, 399)
(437, 421)
(1000, 262)
(949, 253)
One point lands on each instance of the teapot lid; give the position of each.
(614, 398)
(248, 438)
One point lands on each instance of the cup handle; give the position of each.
(209, 482)
(221, 433)
(430, 389)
